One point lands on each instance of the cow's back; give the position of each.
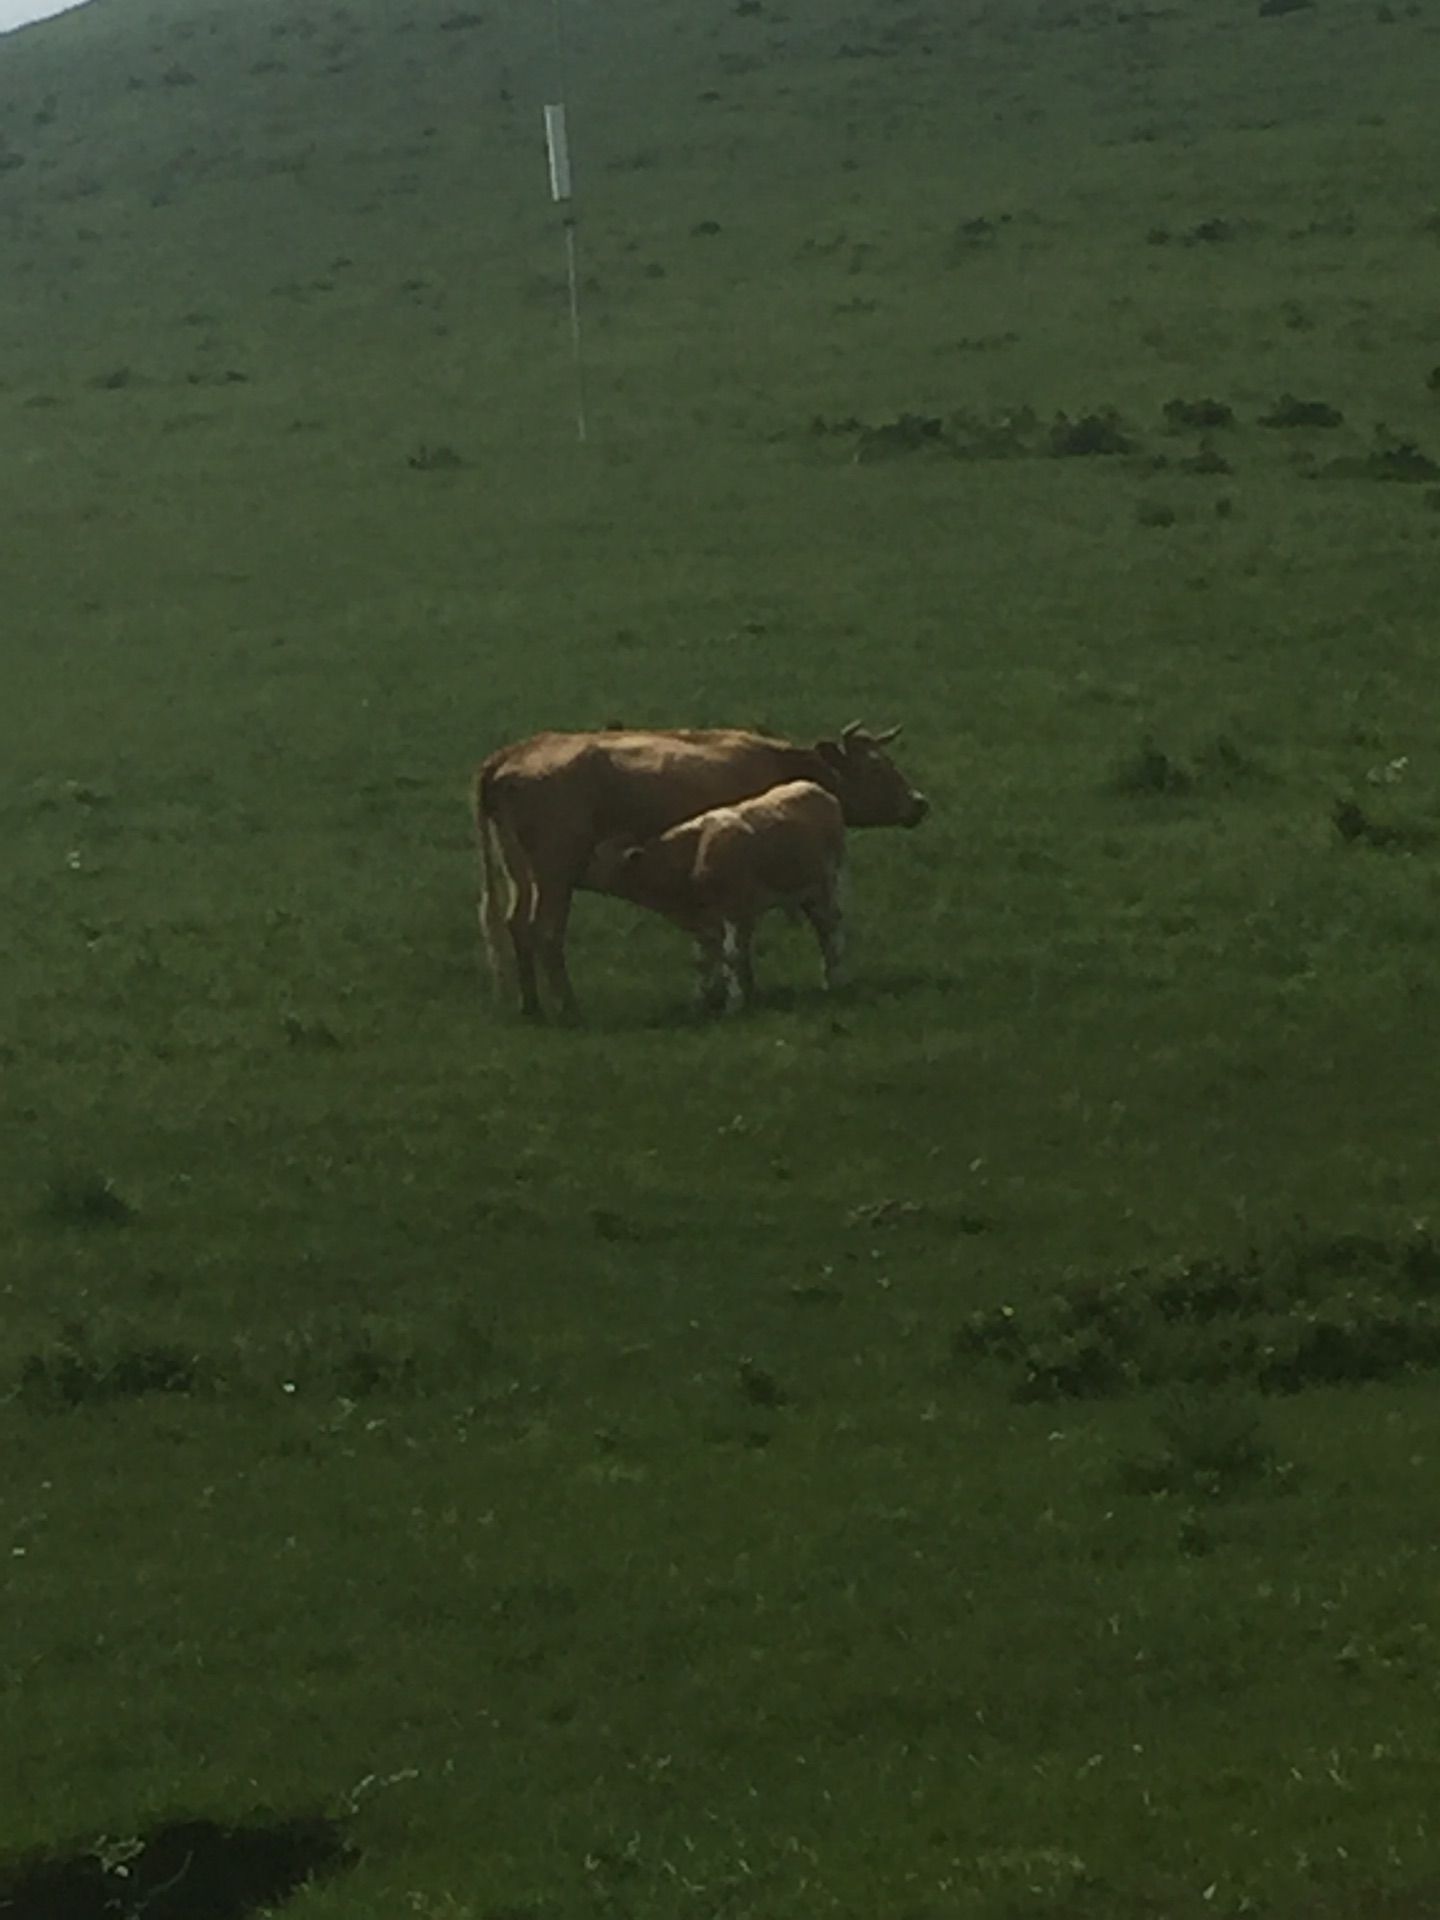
(653, 781)
(571, 790)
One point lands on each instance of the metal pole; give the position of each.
(575, 331)
(557, 142)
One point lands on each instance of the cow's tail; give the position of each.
(494, 873)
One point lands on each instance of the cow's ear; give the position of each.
(632, 856)
(831, 752)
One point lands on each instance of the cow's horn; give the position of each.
(883, 738)
(854, 731)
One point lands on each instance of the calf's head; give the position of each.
(653, 873)
(871, 789)
(611, 863)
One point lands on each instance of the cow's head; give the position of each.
(871, 789)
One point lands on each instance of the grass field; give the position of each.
(967, 1448)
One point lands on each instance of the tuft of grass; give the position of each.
(1181, 415)
(73, 1372)
(1209, 1446)
(177, 1868)
(1358, 827)
(1149, 771)
(1154, 513)
(435, 459)
(1089, 434)
(84, 1198)
(1288, 411)
(1326, 1312)
(302, 1032)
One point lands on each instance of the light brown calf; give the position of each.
(716, 875)
(543, 805)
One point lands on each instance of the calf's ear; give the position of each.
(632, 856)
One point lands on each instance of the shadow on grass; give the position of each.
(872, 989)
(185, 1870)
(898, 983)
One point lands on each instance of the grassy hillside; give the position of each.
(967, 1448)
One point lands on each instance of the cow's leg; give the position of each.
(552, 915)
(521, 926)
(495, 873)
(499, 945)
(520, 917)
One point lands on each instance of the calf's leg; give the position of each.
(739, 964)
(824, 914)
(710, 972)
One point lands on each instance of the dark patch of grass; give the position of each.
(310, 1033)
(1223, 763)
(74, 1373)
(1181, 415)
(1392, 458)
(921, 1215)
(1207, 463)
(906, 434)
(1357, 827)
(1088, 435)
(435, 459)
(372, 1355)
(83, 1198)
(759, 1386)
(819, 425)
(1311, 1313)
(976, 235)
(1210, 233)
(1154, 513)
(1150, 770)
(1210, 1447)
(1218, 765)
(1003, 435)
(618, 1229)
(1288, 411)
(181, 1870)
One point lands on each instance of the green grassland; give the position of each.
(965, 1448)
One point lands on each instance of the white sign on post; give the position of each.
(558, 148)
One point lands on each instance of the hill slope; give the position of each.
(591, 1436)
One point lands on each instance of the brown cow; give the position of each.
(715, 875)
(543, 805)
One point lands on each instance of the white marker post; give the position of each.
(558, 147)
